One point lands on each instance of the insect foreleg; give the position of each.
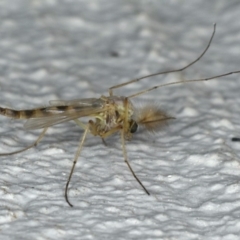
(168, 71)
(129, 166)
(184, 81)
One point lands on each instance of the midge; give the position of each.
(110, 114)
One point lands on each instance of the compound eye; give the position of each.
(133, 126)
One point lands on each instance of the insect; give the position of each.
(110, 115)
(235, 139)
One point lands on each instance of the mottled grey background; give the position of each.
(77, 49)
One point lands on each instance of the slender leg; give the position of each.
(164, 72)
(74, 163)
(104, 142)
(80, 124)
(26, 148)
(129, 166)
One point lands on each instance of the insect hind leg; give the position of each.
(111, 89)
(26, 148)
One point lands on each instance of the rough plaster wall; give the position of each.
(77, 49)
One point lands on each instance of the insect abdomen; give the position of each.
(24, 114)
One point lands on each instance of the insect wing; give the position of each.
(74, 109)
(77, 102)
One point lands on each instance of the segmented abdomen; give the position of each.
(22, 114)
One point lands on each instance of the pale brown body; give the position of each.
(110, 114)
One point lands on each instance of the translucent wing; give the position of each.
(62, 111)
(76, 102)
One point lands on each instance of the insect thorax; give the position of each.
(116, 115)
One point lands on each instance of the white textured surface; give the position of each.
(65, 50)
